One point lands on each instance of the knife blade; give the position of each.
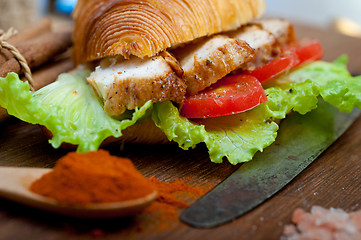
(301, 139)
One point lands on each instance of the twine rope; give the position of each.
(3, 44)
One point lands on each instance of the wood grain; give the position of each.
(332, 180)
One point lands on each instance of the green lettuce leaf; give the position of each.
(72, 111)
(238, 137)
(320, 72)
(336, 84)
(69, 108)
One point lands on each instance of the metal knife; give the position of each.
(301, 139)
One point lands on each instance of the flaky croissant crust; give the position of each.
(147, 27)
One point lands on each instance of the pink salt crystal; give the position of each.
(298, 215)
(318, 233)
(340, 235)
(356, 218)
(300, 237)
(356, 235)
(289, 230)
(333, 219)
(332, 226)
(325, 224)
(325, 215)
(306, 225)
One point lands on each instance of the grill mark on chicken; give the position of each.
(173, 63)
(210, 59)
(131, 83)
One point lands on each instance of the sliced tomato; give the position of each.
(305, 50)
(308, 50)
(230, 95)
(276, 67)
(235, 94)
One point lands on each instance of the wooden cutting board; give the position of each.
(332, 180)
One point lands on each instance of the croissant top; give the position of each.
(146, 27)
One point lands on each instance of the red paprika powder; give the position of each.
(94, 177)
(172, 197)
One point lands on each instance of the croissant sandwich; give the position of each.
(184, 71)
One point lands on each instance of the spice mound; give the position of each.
(94, 177)
(321, 223)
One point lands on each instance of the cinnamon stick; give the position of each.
(39, 28)
(38, 45)
(38, 51)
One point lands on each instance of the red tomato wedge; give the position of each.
(230, 95)
(308, 50)
(276, 67)
(235, 94)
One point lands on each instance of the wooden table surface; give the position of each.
(332, 180)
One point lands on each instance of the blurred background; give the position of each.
(343, 16)
(318, 19)
(21, 13)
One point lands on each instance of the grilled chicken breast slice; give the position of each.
(264, 43)
(280, 28)
(131, 83)
(210, 59)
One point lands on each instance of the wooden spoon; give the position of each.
(15, 183)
